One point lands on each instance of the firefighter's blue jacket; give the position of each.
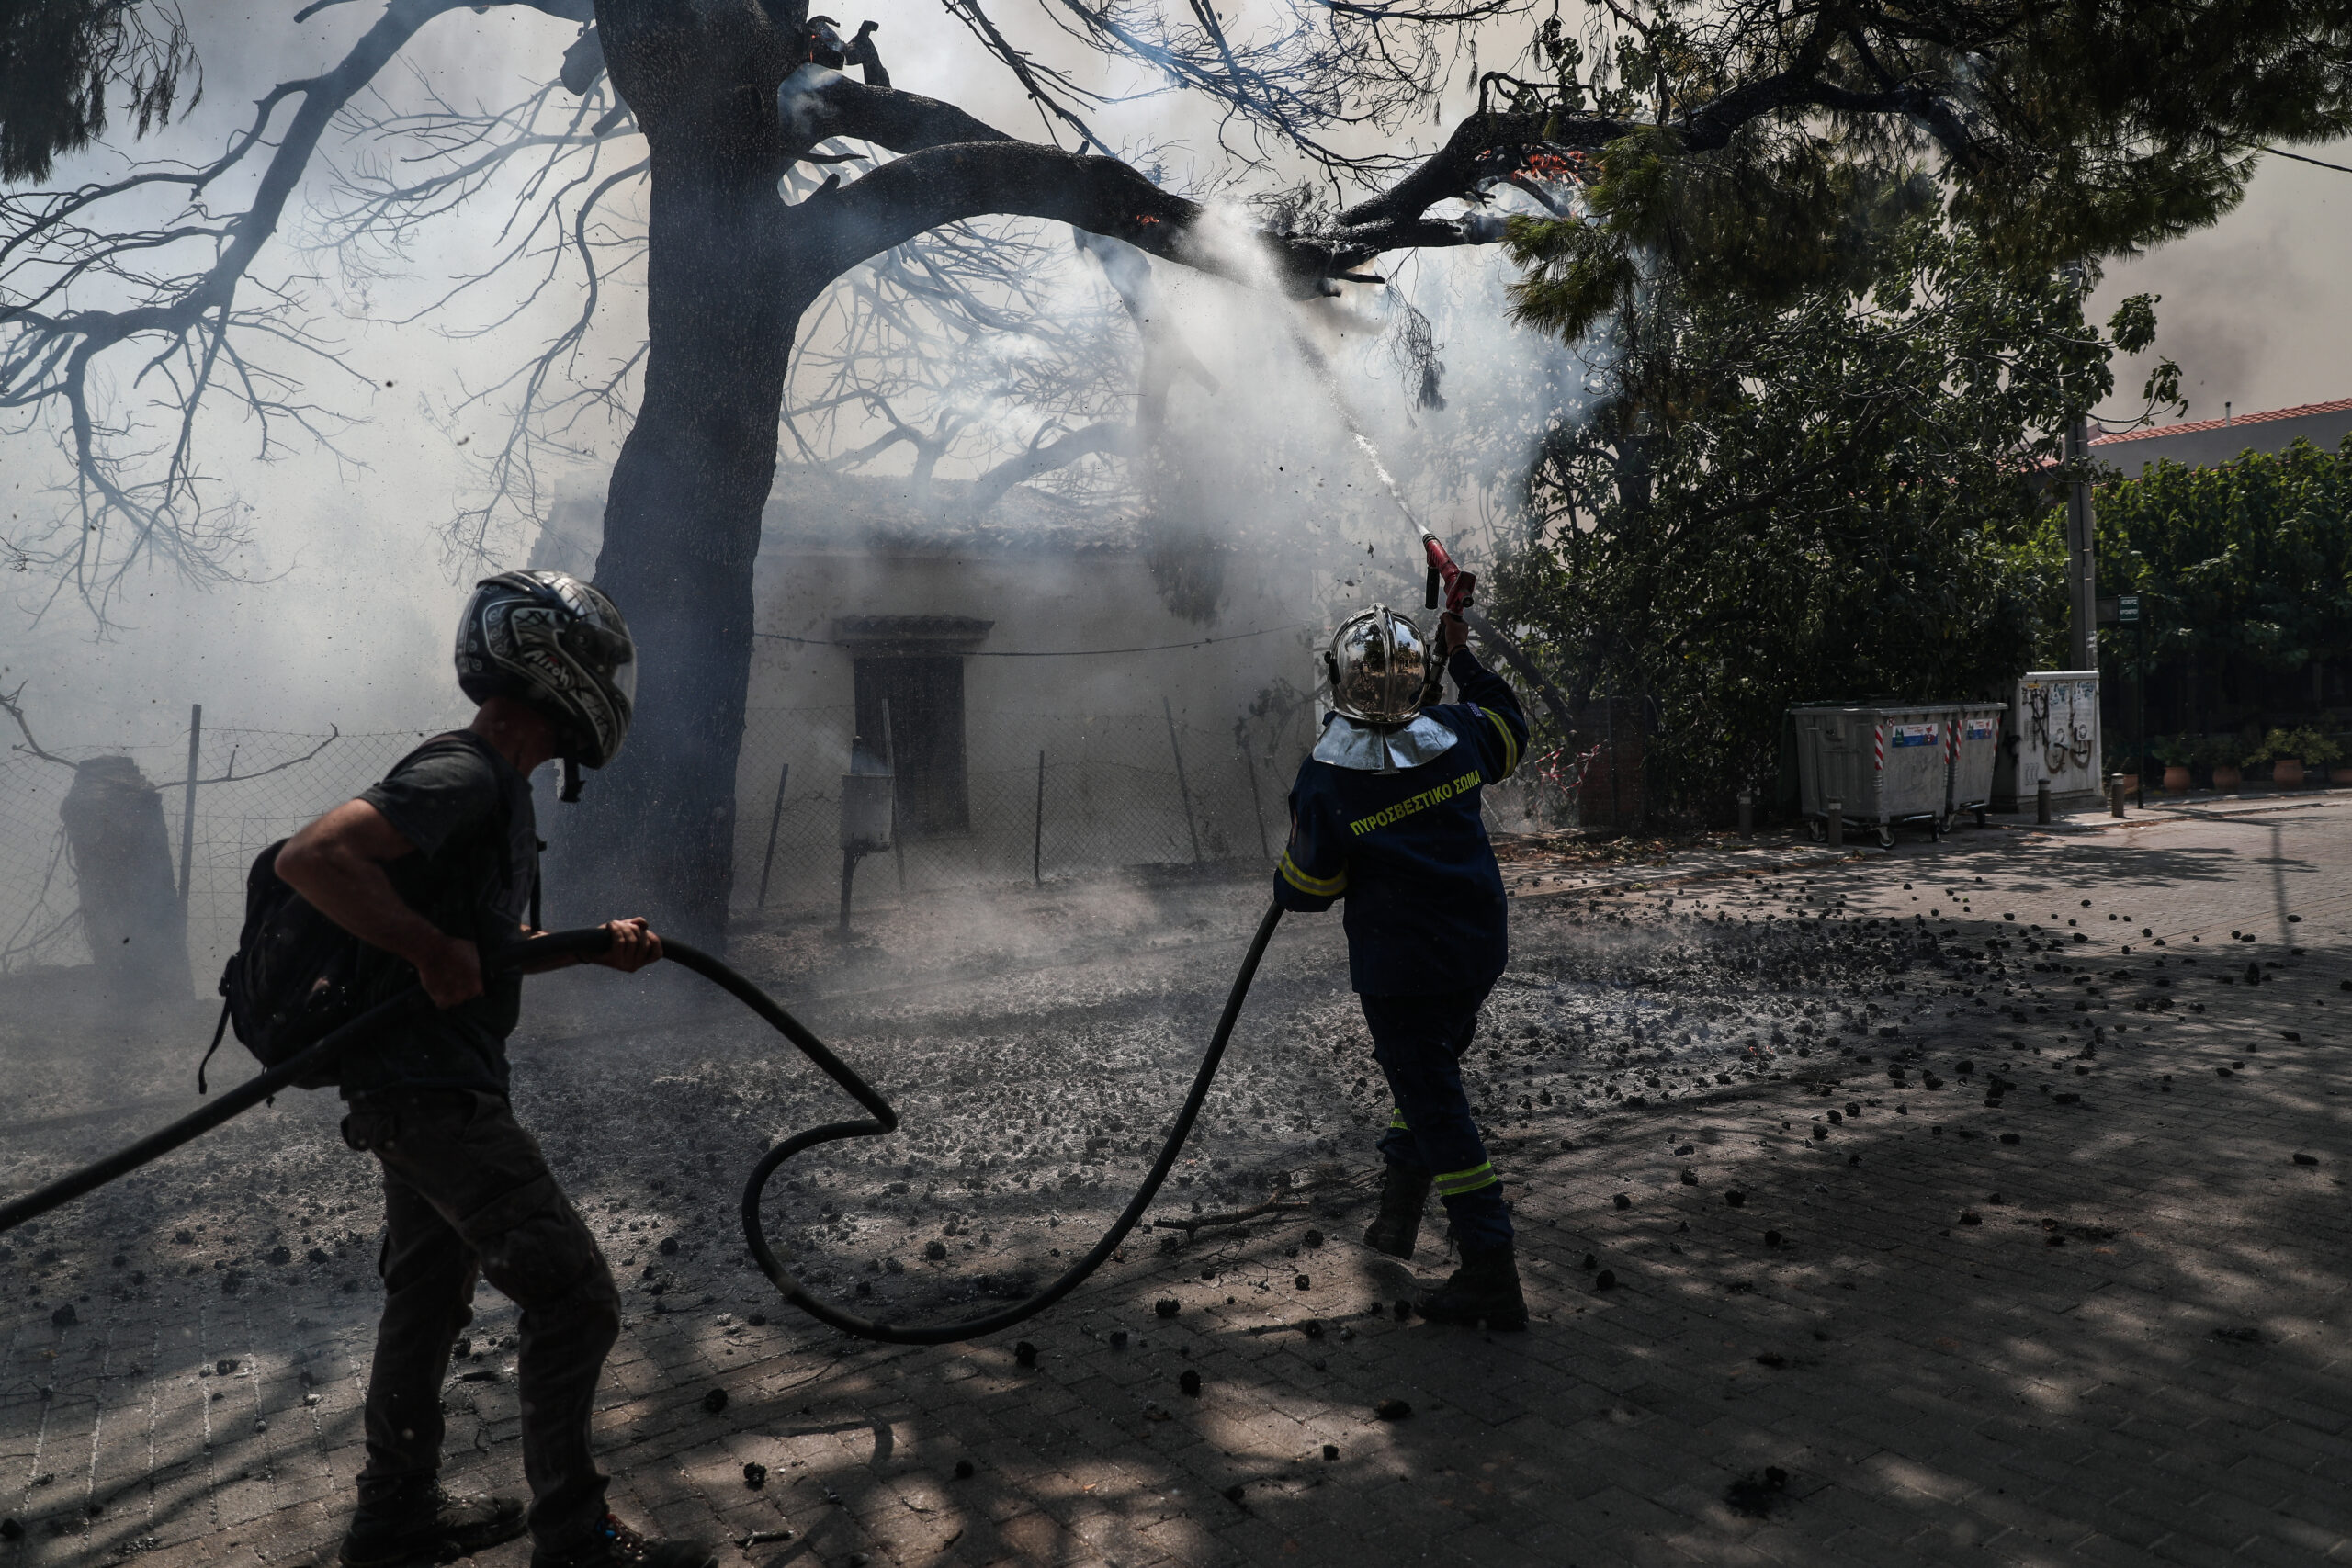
(1407, 850)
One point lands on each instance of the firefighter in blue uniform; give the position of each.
(1384, 816)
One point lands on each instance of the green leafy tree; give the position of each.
(2243, 571)
(1817, 498)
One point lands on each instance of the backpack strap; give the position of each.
(217, 1031)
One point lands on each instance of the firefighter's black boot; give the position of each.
(426, 1525)
(1404, 1193)
(1485, 1289)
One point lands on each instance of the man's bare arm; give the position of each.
(634, 947)
(337, 864)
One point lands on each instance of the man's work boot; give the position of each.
(617, 1546)
(1404, 1193)
(1485, 1288)
(428, 1525)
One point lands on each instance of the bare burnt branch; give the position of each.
(334, 733)
(13, 704)
(1101, 439)
(983, 337)
(186, 314)
(891, 118)
(1057, 96)
(946, 184)
(1309, 70)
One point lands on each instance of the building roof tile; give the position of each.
(2191, 427)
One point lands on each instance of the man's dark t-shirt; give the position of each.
(468, 814)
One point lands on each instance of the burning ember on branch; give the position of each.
(1554, 176)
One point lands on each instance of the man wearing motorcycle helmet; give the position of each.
(426, 867)
(1385, 817)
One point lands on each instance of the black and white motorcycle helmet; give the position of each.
(1381, 669)
(549, 640)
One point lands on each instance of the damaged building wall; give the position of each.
(1034, 628)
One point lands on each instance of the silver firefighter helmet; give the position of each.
(557, 645)
(1381, 671)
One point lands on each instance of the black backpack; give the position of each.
(297, 976)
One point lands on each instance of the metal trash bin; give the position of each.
(1884, 765)
(1976, 747)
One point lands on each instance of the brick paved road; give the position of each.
(2116, 1339)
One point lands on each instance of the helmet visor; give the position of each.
(609, 658)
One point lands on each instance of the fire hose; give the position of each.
(881, 1120)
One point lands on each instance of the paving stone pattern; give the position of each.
(1934, 1234)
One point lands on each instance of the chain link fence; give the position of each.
(255, 786)
(1109, 794)
(1044, 795)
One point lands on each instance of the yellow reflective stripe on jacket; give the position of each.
(1316, 886)
(1454, 1183)
(1510, 743)
(1397, 1121)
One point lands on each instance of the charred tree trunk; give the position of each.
(655, 831)
(123, 858)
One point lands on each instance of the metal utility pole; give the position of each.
(2082, 568)
(188, 803)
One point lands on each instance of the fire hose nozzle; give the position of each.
(1458, 584)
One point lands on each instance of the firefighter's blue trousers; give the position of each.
(1418, 1043)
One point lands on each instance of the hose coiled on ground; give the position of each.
(882, 1119)
(886, 1120)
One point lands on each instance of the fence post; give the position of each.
(774, 816)
(1182, 792)
(187, 805)
(890, 761)
(1257, 812)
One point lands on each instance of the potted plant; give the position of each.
(2320, 751)
(2225, 754)
(2301, 756)
(2174, 752)
(2282, 749)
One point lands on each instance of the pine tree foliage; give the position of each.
(1747, 139)
(60, 60)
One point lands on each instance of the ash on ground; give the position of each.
(1036, 1044)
